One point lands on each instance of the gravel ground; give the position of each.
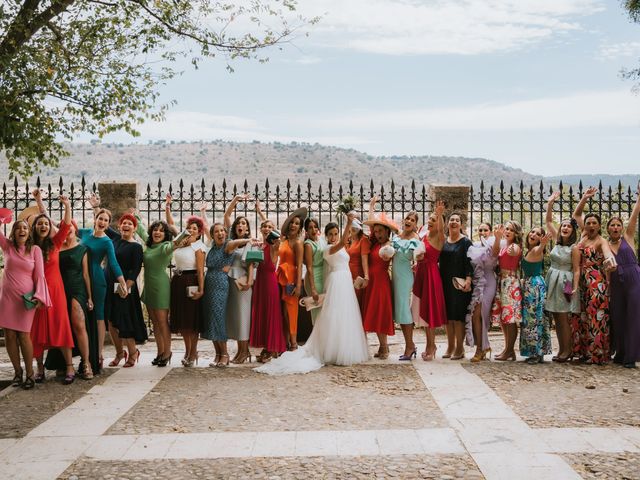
(566, 395)
(239, 399)
(23, 410)
(619, 466)
(444, 467)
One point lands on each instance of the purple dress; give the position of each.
(484, 287)
(624, 307)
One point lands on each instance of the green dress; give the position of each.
(75, 289)
(318, 273)
(157, 285)
(402, 279)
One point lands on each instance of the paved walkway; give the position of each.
(480, 425)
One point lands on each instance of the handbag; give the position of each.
(29, 302)
(254, 256)
(309, 303)
(567, 289)
(459, 283)
(192, 290)
(290, 288)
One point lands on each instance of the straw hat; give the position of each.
(382, 220)
(29, 214)
(299, 212)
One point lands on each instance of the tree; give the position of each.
(69, 66)
(633, 7)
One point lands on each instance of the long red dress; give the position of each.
(51, 326)
(378, 306)
(266, 316)
(356, 250)
(428, 288)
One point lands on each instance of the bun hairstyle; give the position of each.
(328, 227)
(573, 238)
(131, 218)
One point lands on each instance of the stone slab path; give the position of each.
(480, 425)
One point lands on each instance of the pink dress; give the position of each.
(51, 327)
(23, 273)
(428, 288)
(266, 316)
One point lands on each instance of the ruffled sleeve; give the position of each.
(41, 291)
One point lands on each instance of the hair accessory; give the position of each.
(384, 221)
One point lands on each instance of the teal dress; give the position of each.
(402, 278)
(318, 273)
(99, 248)
(535, 339)
(216, 293)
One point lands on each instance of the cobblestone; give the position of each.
(453, 467)
(238, 399)
(566, 395)
(619, 466)
(23, 410)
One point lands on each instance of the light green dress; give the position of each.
(318, 272)
(157, 285)
(402, 279)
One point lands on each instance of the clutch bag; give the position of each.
(29, 302)
(567, 289)
(458, 283)
(241, 281)
(290, 288)
(254, 256)
(358, 283)
(192, 290)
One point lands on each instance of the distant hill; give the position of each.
(594, 180)
(256, 161)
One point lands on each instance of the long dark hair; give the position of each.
(12, 236)
(46, 243)
(232, 233)
(597, 217)
(168, 234)
(372, 237)
(573, 238)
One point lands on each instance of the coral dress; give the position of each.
(266, 316)
(51, 326)
(288, 275)
(23, 273)
(428, 288)
(378, 306)
(358, 248)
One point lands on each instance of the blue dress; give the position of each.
(216, 292)
(402, 279)
(99, 248)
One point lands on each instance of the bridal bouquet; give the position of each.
(347, 204)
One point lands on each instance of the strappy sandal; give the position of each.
(17, 379)
(29, 383)
(39, 377)
(69, 378)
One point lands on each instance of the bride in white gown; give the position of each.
(337, 337)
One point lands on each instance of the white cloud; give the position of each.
(613, 51)
(580, 110)
(415, 27)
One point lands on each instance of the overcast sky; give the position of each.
(534, 84)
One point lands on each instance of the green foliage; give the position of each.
(69, 66)
(633, 8)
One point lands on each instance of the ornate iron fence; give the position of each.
(526, 204)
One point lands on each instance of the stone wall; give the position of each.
(118, 197)
(455, 197)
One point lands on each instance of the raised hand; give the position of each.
(546, 239)
(94, 200)
(202, 208)
(590, 192)
(64, 200)
(439, 207)
(498, 231)
(553, 197)
(167, 200)
(512, 249)
(36, 193)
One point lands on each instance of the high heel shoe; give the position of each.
(406, 358)
(39, 377)
(505, 357)
(221, 363)
(478, 357)
(119, 356)
(69, 377)
(163, 362)
(457, 357)
(383, 353)
(241, 359)
(132, 360)
(17, 379)
(429, 356)
(157, 359)
(190, 361)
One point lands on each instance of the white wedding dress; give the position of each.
(337, 337)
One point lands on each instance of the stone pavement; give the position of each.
(441, 419)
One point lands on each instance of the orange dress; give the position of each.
(287, 275)
(360, 247)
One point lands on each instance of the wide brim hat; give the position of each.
(382, 220)
(298, 212)
(29, 214)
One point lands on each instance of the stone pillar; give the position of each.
(118, 197)
(455, 197)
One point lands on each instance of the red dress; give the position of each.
(428, 287)
(378, 307)
(356, 250)
(266, 316)
(51, 326)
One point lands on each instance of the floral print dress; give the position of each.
(535, 339)
(591, 330)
